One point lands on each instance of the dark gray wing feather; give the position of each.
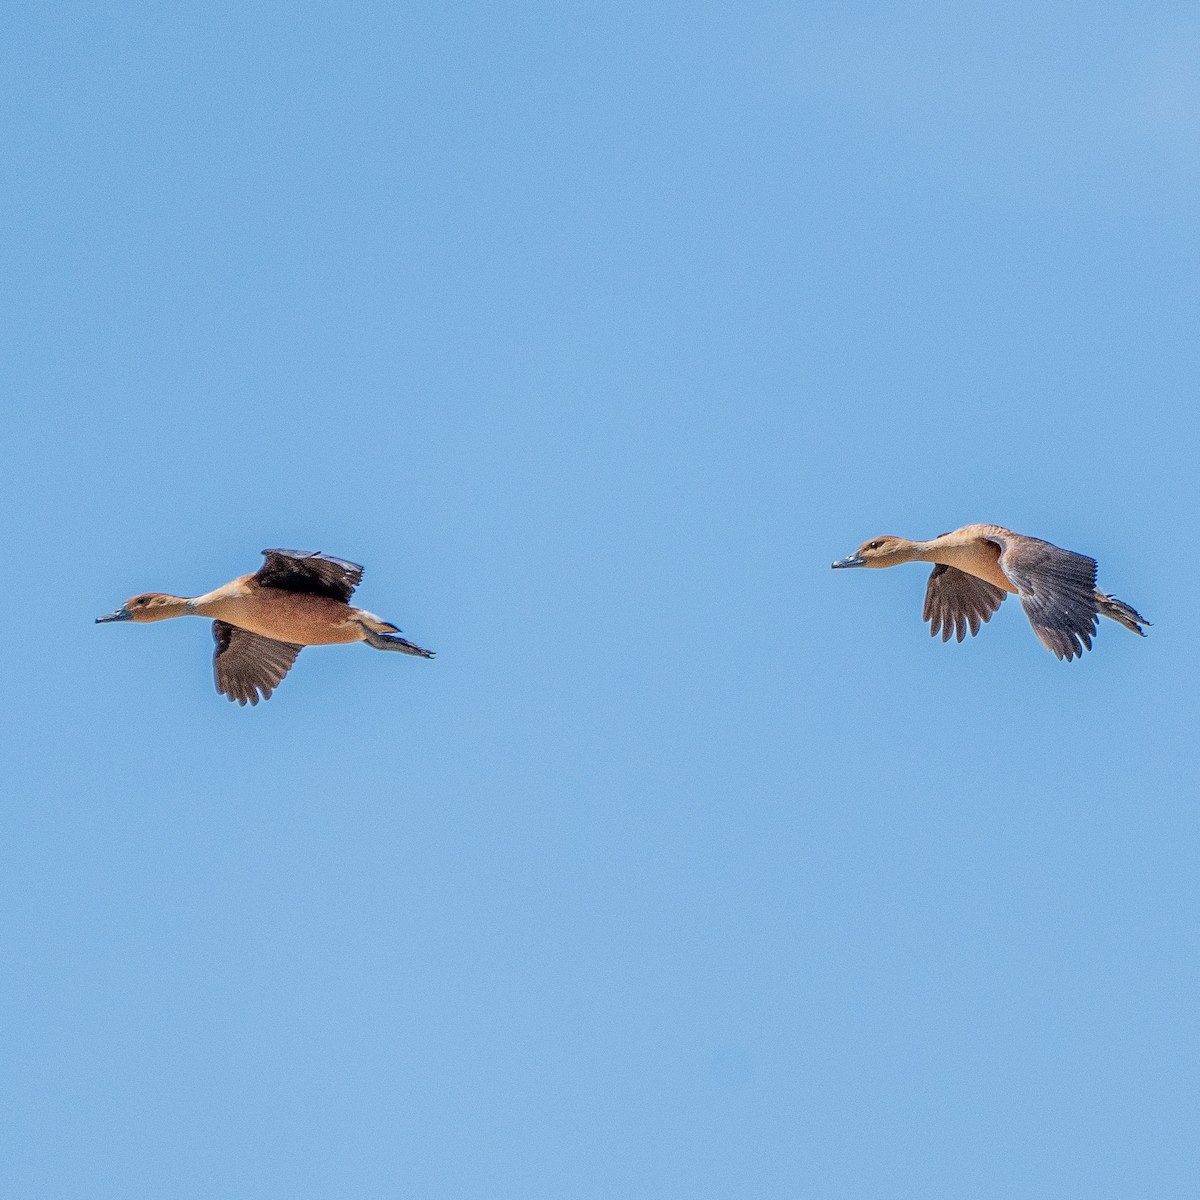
(1057, 589)
(956, 602)
(246, 663)
(309, 571)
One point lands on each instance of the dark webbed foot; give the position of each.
(390, 641)
(1122, 613)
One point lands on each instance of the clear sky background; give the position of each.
(689, 868)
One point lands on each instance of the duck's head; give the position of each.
(885, 551)
(149, 606)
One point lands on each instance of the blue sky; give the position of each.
(689, 868)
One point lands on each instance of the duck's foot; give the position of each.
(390, 641)
(1122, 613)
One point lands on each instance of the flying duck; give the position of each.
(262, 621)
(977, 565)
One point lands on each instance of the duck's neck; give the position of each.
(214, 603)
(912, 552)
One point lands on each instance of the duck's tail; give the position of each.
(368, 620)
(1122, 613)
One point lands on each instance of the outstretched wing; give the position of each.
(246, 663)
(955, 601)
(1057, 589)
(309, 571)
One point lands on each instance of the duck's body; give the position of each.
(977, 565)
(971, 551)
(305, 618)
(262, 621)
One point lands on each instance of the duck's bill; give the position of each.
(122, 614)
(851, 560)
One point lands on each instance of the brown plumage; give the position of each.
(978, 565)
(262, 621)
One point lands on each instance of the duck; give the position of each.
(262, 621)
(976, 566)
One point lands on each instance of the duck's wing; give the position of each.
(247, 663)
(309, 571)
(1057, 589)
(956, 601)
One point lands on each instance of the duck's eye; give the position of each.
(872, 545)
(143, 601)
